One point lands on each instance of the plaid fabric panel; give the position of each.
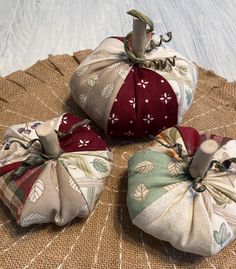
(15, 192)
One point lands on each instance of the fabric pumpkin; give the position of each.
(57, 190)
(126, 98)
(163, 202)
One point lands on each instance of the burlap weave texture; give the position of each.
(107, 239)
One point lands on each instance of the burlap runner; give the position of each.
(107, 239)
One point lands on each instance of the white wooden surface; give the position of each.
(203, 30)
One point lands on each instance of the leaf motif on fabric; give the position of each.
(81, 71)
(176, 167)
(73, 185)
(32, 219)
(83, 98)
(219, 197)
(222, 235)
(84, 166)
(183, 69)
(141, 192)
(123, 73)
(100, 165)
(59, 219)
(114, 65)
(36, 191)
(107, 91)
(144, 167)
(188, 97)
(92, 81)
(83, 212)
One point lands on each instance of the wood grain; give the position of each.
(203, 30)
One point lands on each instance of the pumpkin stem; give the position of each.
(139, 36)
(202, 159)
(48, 138)
(139, 42)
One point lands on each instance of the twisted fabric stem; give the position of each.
(152, 45)
(28, 146)
(178, 147)
(72, 129)
(222, 167)
(161, 64)
(39, 158)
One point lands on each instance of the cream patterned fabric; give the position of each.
(163, 202)
(98, 79)
(57, 190)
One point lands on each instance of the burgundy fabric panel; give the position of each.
(219, 139)
(82, 139)
(191, 138)
(24, 185)
(9, 167)
(145, 104)
(26, 181)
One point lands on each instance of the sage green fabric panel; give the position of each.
(148, 175)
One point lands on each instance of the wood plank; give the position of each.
(202, 30)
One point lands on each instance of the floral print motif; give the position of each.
(129, 133)
(132, 102)
(83, 143)
(64, 120)
(148, 119)
(113, 118)
(143, 83)
(165, 98)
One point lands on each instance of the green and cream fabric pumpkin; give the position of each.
(163, 200)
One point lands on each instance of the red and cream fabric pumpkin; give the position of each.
(196, 215)
(39, 188)
(127, 95)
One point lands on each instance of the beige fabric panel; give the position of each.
(98, 79)
(166, 219)
(51, 198)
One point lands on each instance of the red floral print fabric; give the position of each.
(145, 104)
(83, 138)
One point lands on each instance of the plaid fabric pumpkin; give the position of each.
(126, 98)
(162, 199)
(54, 190)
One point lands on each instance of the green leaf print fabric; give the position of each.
(162, 201)
(143, 186)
